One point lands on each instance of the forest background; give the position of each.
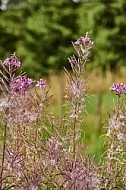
(40, 32)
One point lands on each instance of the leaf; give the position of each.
(1, 138)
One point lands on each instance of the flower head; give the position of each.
(22, 83)
(12, 60)
(41, 83)
(83, 45)
(118, 88)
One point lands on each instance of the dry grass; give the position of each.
(102, 82)
(97, 82)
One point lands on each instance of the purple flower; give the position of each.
(83, 40)
(21, 84)
(118, 88)
(13, 60)
(29, 81)
(83, 45)
(41, 83)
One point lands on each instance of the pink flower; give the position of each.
(83, 45)
(22, 83)
(13, 60)
(41, 83)
(118, 88)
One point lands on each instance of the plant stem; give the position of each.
(74, 140)
(74, 144)
(3, 156)
(74, 135)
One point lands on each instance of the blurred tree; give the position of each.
(40, 33)
(10, 31)
(109, 33)
(50, 27)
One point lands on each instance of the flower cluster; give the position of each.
(118, 88)
(12, 61)
(20, 84)
(83, 45)
(41, 83)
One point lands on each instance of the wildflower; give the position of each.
(83, 45)
(21, 84)
(118, 88)
(41, 83)
(13, 60)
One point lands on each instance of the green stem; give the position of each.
(3, 156)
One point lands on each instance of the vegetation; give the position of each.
(41, 32)
(40, 152)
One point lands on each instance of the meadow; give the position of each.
(66, 133)
(100, 103)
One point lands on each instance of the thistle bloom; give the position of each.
(41, 83)
(118, 88)
(13, 60)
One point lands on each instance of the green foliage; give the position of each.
(41, 33)
(109, 30)
(49, 30)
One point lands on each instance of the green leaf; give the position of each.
(1, 138)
